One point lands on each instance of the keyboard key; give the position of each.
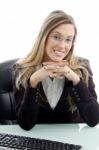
(15, 142)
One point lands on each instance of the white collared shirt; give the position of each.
(53, 90)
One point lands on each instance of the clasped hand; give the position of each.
(57, 69)
(54, 70)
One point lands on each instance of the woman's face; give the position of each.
(59, 43)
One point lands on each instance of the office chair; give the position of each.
(7, 102)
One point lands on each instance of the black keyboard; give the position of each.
(15, 142)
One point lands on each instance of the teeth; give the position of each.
(58, 53)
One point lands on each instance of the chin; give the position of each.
(59, 59)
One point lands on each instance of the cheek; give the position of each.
(48, 46)
(49, 43)
(69, 48)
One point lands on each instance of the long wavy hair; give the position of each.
(28, 65)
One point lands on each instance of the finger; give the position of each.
(51, 67)
(60, 77)
(55, 75)
(60, 63)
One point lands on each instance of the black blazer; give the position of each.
(32, 106)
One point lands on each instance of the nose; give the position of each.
(62, 44)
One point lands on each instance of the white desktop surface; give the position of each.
(81, 134)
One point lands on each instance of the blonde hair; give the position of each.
(28, 65)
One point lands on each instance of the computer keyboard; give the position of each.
(15, 142)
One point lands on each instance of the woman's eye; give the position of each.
(68, 40)
(57, 37)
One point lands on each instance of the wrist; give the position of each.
(33, 82)
(76, 81)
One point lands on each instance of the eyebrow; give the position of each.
(56, 32)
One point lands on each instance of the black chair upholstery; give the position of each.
(7, 102)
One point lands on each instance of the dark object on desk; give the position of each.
(8, 141)
(7, 111)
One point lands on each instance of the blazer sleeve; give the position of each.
(86, 100)
(26, 106)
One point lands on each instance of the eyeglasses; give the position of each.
(59, 38)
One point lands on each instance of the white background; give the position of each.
(20, 21)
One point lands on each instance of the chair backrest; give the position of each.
(7, 102)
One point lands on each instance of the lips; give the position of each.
(58, 53)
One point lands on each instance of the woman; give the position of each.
(52, 84)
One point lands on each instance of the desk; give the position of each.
(71, 133)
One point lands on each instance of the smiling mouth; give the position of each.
(58, 53)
